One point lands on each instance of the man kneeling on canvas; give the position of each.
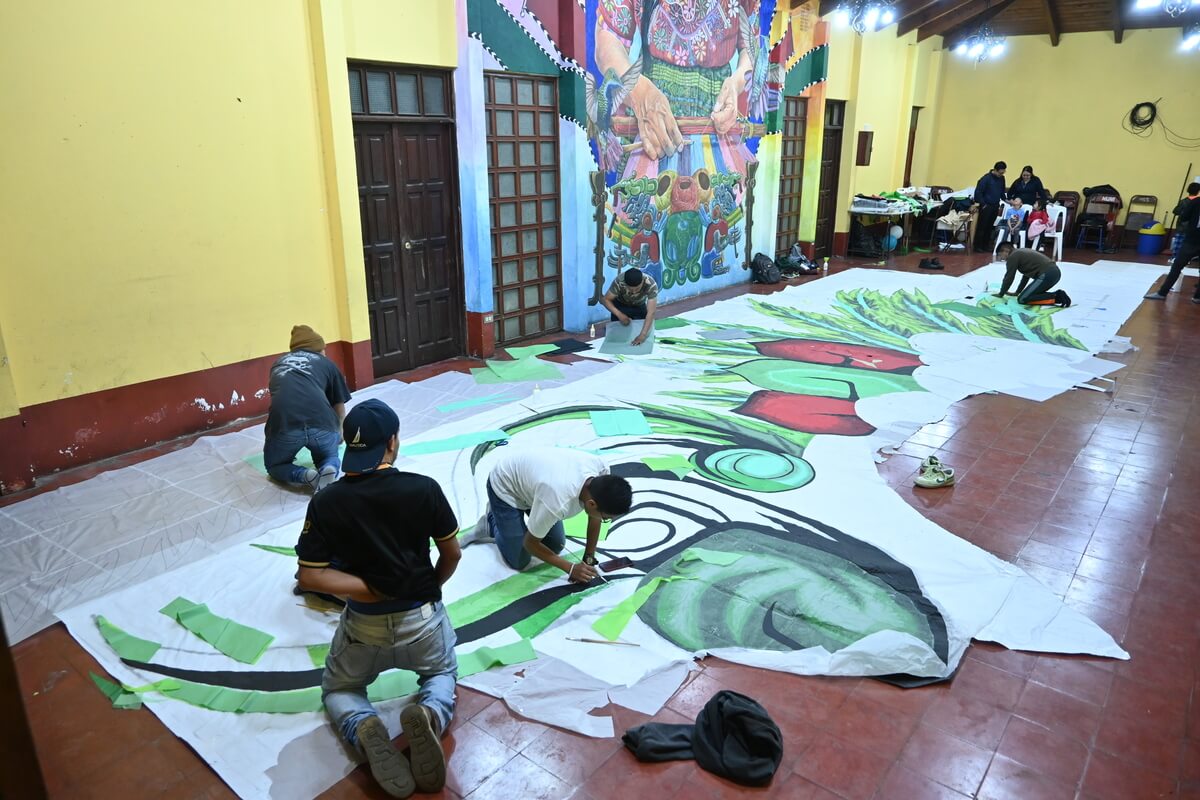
(375, 524)
(631, 296)
(1039, 274)
(549, 485)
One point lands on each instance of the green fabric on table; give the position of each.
(667, 323)
(303, 459)
(277, 549)
(460, 442)
(530, 350)
(524, 369)
(317, 653)
(499, 397)
(124, 644)
(485, 658)
(239, 642)
(620, 422)
(677, 464)
(717, 557)
(612, 624)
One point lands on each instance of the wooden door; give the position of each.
(831, 162)
(523, 177)
(912, 144)
(791, 174)
(407, 206)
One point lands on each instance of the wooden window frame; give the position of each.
(394, 70)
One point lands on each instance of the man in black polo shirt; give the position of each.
(375, 525)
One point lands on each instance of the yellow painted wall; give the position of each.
(881, 77)
(401, 31)
(1065, 115)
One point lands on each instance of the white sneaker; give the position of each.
(311, 479)
(327, 476)
(481, 533)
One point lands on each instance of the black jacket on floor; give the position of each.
(733, 737)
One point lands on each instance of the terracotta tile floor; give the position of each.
(1092, 493)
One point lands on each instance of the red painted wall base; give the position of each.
(65, 433)
(481, 335)
(841, 243)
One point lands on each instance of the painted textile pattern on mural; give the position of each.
(677, 95)
(720, 556)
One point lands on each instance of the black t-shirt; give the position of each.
(377, 526)
(304, 389)
(1188, 222)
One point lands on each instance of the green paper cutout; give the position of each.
(274, 548)
(460, 442)
(716, 557)
(239, 642)
(499, 397)
(667, 323)
(485, 658)
(530, 351)
(969, 310)
(618, 340)
(677, 464)
(620, 422)
(124, 644)
(524, 369)
(613, 623)
(126, 701)
(476, 606)
(317, 653)
(576, 526)
(303, 459)
(397, 683)
(533, 625)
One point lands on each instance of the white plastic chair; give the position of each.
(1058, 215)
(1002, 229)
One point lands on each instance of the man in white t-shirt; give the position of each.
(549, 485)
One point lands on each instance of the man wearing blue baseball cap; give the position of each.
(366, 538)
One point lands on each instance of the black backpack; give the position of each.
(763, 270)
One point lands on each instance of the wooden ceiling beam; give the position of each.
(912, 9)
(1118, 22)
(926, 15)
(972, 12)
(1052, 23)
(827, 7)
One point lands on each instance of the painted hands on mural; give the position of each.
(657, 128)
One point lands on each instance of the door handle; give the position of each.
(408, 245)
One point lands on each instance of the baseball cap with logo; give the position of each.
(367, 429)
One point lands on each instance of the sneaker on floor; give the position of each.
(1063, 299)
(925, 262)
(426, 756)
(388, 767)
(937, 263)
(930, 263)
(480, 534)
(310, 479)
(935, 478)
(327, 476)
(1155, 296)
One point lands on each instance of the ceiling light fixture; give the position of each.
(864, 15)
(981, 45)
(1174, 8)
(1191, 37)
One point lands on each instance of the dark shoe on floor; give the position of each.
(1155, 296)
(937, 263)
(388, 767)
(1062, 298)
(930, 263)
(1196, 300)
(428, 760)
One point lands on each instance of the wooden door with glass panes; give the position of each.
(791, 174)
(523, 177)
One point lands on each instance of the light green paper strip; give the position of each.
(716, 557)
(239, 642)
(576, 526)
(530, 351)
(241, 701)
(275, 548)
(476, 606)
(485, 658)
(524, 369)
(666, 323)
(676, 464)
(499, 397)
(460, 442)
(397, 683)
(303, 459)
(317, 653)
(124, 644)
(620, 422)
(613, 623)
(126, 701)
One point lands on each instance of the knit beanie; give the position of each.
(305, 338)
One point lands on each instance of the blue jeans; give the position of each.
(279, 452)
(421, 640)
(507, 526)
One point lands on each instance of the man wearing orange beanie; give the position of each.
(308, 403)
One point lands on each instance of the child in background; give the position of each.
(1014, 217)
(1039, 221)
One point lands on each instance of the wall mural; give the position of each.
(678, 95)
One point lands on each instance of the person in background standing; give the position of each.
(1189, 248)
(989, 193)
(1029, 188)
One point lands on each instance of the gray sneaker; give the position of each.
(327, 476)
(310, 479)
(428, 760)
(388, 767)
(1155, 296)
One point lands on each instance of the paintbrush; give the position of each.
(603, 641)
